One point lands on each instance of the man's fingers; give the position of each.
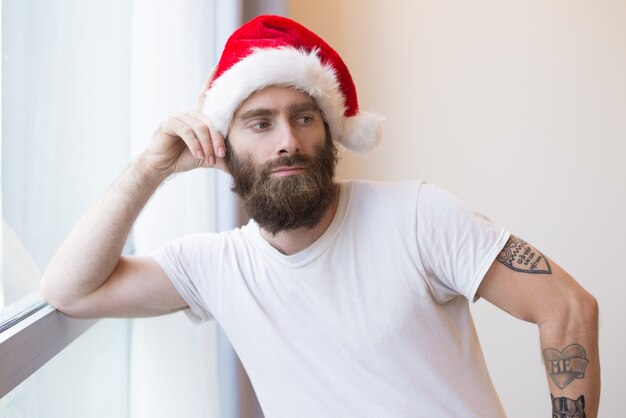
(201, 138)
(211, 141)
(218, 142)
(217, 139)
(202, 134)
(175, 126)
(205, 87)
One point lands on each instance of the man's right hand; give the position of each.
(186, 141)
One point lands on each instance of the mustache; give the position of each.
(286, 161)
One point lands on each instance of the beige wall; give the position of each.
(520, 109)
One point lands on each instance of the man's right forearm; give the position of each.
(91, 252)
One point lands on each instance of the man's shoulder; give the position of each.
(389, 200)
(377, 186)
(206, 240)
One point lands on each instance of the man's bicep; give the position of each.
(137, 287)
(526, 283)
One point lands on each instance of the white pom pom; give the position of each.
(362, 132)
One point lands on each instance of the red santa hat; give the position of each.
(274, 50)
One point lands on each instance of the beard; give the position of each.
(289, 202)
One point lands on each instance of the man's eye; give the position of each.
(261, 125)
(305, 120)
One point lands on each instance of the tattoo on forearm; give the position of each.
(518, 255)
(568, 408)
(566, 365)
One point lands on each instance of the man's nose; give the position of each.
(289, 143)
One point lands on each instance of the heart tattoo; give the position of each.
(566, 365)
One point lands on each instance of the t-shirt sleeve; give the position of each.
(185, 261)
(457, 244)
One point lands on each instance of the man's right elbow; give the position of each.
(66, 307)
(54, 296)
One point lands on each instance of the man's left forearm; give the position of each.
(570, 354)
(530, 286)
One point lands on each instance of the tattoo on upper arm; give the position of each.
(566, 365)
(568, 408)
(520, 256)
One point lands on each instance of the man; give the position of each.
(342, 299)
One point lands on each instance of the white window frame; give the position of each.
(36, 334)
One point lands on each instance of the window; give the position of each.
(65, 124)
(65, 136)
(84, 85)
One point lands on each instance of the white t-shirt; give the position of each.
(371, 320)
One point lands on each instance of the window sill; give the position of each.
(30, 343)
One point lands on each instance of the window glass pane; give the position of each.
(89, 378)
(65, 134)
(65, 124)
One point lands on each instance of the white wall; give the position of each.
(520, 109)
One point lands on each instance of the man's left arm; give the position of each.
(525, 283)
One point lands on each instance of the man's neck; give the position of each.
(295, 240)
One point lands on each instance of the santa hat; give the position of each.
(274, 50)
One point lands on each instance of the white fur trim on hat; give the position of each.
(288, 66)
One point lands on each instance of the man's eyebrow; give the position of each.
(292, 109)
(255, 113)
(303, 107)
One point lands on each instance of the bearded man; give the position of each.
(342, 299)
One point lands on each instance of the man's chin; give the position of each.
(291, 208)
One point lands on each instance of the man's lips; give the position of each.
(288, 171)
